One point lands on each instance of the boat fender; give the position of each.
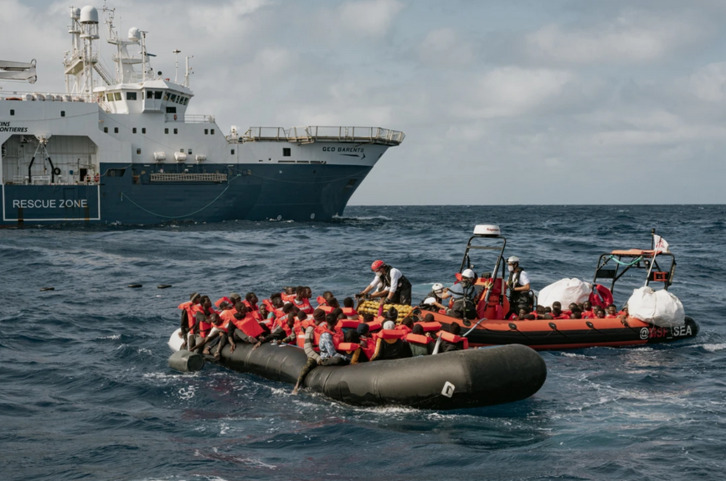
(186, 361)
(57, 171)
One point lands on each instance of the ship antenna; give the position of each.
(176, 53)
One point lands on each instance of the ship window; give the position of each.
(186, 100)
(149, 94)
(166, 95)
(117, 95)
(133, 130)
(138, 151)
(206, 131)
(157, 94)
(115, 130)
(176, 131)
(63, 113)
(130, 95)
(173, 97)
(143, 130)
(231, 151)
(115, 172)
(105, 130)
(166, 130)
(109, 96)
(12, 111)
(211, 132)
(286, 151)
(171, 110)
(189, 151)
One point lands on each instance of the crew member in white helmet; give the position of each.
(390, 285)
(465, 294)
(518, 284)
(434, 300)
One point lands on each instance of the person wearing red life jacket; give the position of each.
(188, 311)
(244, 327)
(557, 312)
(202, 324)
(301, 299)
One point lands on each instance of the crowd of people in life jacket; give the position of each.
(330, 333)
(335, 334)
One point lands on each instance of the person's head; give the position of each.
(587, 306)
(318, 315)
(240, 307)
(215, 319)
(377, 266)
(348, 302)
(407, 321)
(300, 316)
(540, 310)
(391, 314)
(333, 302)
(468, 276)
(327, 295)
(362, 329)
(438, 289)
(308, 292)
(368, 317)
(300, 292)
(576, 313)
(557, 307)
(417, 329)
(512, 263)
(522, 314)
(429, 317)
(251, 297)
(599, 312)
(331, 320)
(234, 297)
(276, 299)
(195, 297)
(612, 310)
(290, 321)
(455, 328)
(206, 302)
(351, 335)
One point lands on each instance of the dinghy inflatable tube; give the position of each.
(450, 380)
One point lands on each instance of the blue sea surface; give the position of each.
(87, 392)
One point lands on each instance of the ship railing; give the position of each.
(41, 96)
(309, 134)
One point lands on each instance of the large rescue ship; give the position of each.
(121, 148)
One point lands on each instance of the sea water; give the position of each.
(87, 392)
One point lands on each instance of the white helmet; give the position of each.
(437, 287)
(468, 273)
(513, 260)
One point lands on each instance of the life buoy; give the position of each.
(601, 296)
(56, 171)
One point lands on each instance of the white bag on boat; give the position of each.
(566, 291)
(660, 308)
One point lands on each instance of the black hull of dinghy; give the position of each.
(451, 380)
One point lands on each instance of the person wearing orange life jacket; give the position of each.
(202, 323)
(315, 359)
(419, 343)
(390, 344)
(301, 299)
(243, 326)
(219, 336)
(389, 284)
(452, 340)
(188, 311)
(252, 307)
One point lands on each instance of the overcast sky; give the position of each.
(502, 101)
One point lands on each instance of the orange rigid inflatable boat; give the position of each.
(491, 326)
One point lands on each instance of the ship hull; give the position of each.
(256, 192)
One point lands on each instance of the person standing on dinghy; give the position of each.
(519, 288)
(390, 285)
